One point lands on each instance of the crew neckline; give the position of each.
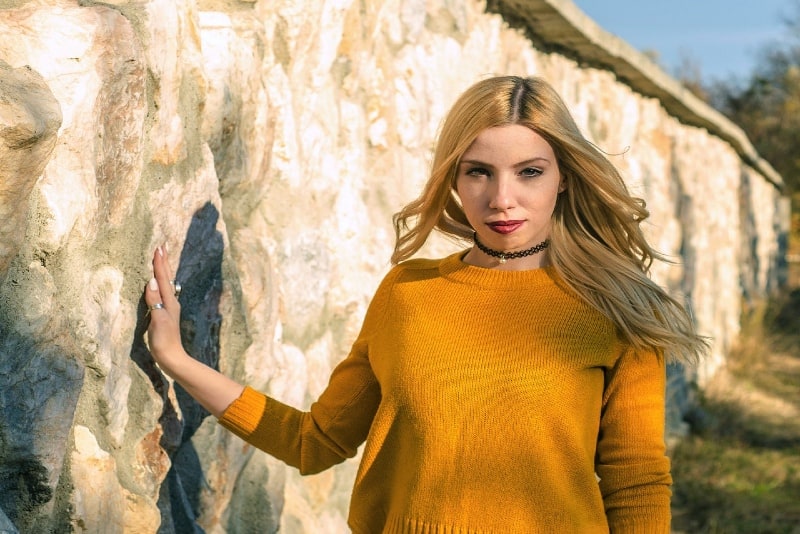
(454, 268)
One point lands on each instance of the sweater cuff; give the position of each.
(642, 525)
(244, 414)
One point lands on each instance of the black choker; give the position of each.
(505, 256)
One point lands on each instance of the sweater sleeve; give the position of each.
(631, 459)
(337, 423)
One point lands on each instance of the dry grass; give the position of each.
(740, 470)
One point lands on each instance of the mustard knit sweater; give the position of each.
(490, 402)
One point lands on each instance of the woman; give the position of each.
(517, 386)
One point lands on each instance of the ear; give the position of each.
(562, 185)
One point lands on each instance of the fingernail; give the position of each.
(160, 251)
(153, 284)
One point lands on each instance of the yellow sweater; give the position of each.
(490, 402)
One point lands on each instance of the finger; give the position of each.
(175, 286)
(152, 298)
(162, 274)
(167, 265)
(151, 293)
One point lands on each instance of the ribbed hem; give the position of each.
(404, 525)
(641, 526)
(238, 417)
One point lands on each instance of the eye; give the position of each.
(530, 172)
(477, 171)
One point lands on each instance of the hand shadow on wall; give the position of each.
(200, 274)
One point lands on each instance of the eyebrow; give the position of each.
(519, 164)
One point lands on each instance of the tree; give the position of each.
(690, 73)
(767, 104)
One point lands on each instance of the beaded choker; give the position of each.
(505, 256)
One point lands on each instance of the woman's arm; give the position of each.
(631, 459)
(213, 390)
(330, 432)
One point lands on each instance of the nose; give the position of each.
(501, 194)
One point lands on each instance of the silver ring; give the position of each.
(157, 306)
(177, 287)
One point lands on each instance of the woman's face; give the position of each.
(508, 182)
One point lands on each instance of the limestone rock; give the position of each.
(29, 120)
(266, 144)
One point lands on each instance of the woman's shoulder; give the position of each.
(417, 266)
(403, 275)
(411, 270)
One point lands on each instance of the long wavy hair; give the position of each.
(597, 247)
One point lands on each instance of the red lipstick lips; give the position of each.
(504, 227)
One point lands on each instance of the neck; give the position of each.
(507, 260)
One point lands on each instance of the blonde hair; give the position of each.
(597, 247)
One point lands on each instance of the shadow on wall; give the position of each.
(35, 377)
(681, 397)
(200, 274)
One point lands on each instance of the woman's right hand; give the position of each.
(163, 332)
(208, 386)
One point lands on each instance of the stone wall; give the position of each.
(267, 143)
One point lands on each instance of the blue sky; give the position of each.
(722, 36)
